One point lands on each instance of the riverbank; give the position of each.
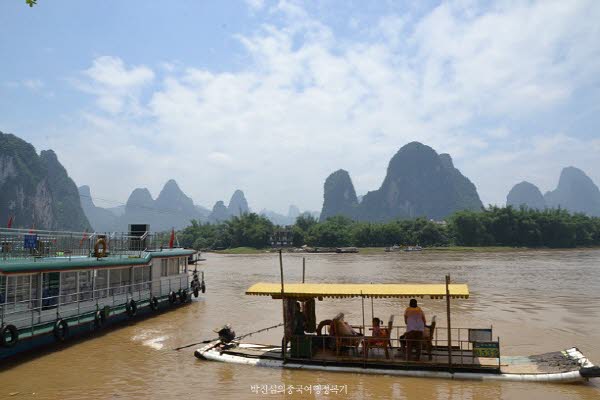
(379, 250)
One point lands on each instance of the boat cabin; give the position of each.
(53, 281)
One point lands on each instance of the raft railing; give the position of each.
(470, 347)
(27, 315)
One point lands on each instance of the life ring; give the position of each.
(326, 322)
(183, 295)
(97, 252)
(172, 297)
(99, 318)
(61, 330)
(13, 332)
(154, 303)
(131, 308)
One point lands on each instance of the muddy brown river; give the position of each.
(537, 301)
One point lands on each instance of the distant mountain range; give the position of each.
(290, 218)
(575, 192)
(171, 209)
(419, 183)
(35, 190)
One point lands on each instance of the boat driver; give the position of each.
(299, 320)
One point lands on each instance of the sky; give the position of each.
(270, 97)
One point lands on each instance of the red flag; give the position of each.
(10, 221)
(172, 240)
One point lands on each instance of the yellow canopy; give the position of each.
(386, 290)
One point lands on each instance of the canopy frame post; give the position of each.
(372, 307)
(303, 268)
(362, 299)
(284, 340)
(364, 328)
(449, 322)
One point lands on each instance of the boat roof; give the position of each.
(343, 290)
(51, 264)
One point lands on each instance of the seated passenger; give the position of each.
(376, 327)
(342, 328)
(379, 332)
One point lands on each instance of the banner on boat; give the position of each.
(486, 349)
(30, 241)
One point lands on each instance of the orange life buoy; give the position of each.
(97, 252)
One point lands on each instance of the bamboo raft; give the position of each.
(567, 366)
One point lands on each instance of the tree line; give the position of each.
(492, 226)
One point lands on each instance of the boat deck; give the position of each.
(548, 363)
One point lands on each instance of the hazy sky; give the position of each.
(271, 97)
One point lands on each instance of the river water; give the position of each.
(537, 301)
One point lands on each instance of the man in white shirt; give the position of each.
(415, 321)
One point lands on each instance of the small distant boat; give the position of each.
(346, 250)
(393, 248)
(320, 250)
(414, 248)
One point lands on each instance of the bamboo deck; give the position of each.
(548, 363)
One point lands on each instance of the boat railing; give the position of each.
(38, 245)
(465, 349)
(30, 313)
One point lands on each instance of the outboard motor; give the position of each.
(226, 334)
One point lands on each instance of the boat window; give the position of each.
(35, 290)
(101, 283)
(120, 280)
(115, 281)
(17, 292)
(173, 267)
(2, 289)
(85, 285)
(10, 291)
(138, 278)
(164, 271)
(126, 278)
(141, 278)
(50, 286)
(68, 287)
(182, 265)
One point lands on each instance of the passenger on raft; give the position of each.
(379, 332)
(414, 318)
(299, 320)
(376, 327)
(344, 328)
